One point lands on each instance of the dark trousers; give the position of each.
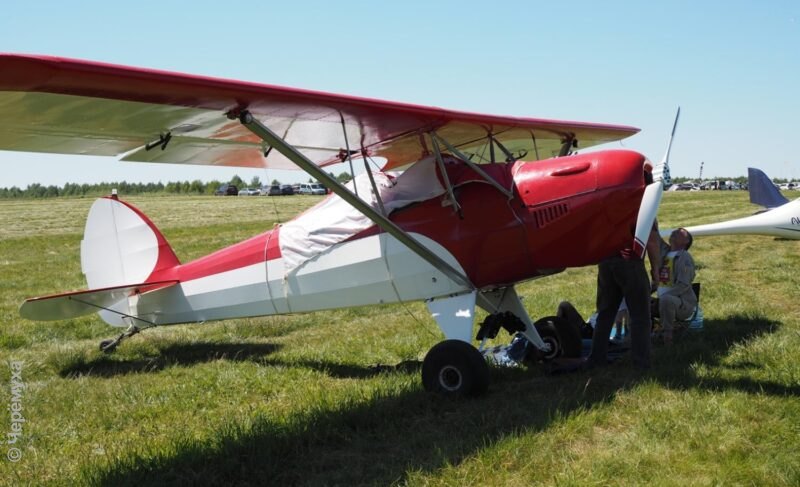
(619, 278)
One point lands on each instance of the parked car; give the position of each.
(286, 189)
(274, 190)
(685, 187)
(311, 188)
(227, 190)
(249, 192)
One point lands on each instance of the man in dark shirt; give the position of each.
(624, 276)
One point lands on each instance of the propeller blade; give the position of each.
(651, 198)
(661, 171)
(647, 215)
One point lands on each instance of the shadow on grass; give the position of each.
(172, 355)
(349, 371)
(379, 441)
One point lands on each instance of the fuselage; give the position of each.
(565, 212)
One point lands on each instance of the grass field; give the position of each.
(335, 398)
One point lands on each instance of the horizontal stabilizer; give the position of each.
(79, 303)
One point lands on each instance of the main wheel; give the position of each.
(455, 368)
(563, 337)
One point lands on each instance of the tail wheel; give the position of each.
(563, 337)
(455, 368)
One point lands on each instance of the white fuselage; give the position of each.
(373, 270)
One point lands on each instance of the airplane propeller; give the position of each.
(651, 199)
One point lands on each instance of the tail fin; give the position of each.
(121, 246)
(122, 255)
(762, 191)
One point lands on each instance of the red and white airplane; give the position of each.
(463, 207)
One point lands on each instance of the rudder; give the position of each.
(120, 247)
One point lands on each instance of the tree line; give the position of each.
(37, 190)
(195, 187)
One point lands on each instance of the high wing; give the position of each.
(58, 105)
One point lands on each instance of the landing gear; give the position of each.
(455, 368)
(563, 338)
(108, 346)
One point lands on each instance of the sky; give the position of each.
(733, 67)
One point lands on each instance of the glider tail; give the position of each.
(762, 191)
(123, 255)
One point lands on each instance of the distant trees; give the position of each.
(197, 187)
(37, 190)
(237, 181)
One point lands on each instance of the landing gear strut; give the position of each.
(108, 346)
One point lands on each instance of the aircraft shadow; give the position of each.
(172, 355)
(349, 371)
(379, 441)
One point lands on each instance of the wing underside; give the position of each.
(67, 106)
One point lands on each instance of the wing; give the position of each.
(69, 106)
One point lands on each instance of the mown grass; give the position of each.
(334, 398)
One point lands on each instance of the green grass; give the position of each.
(299, 399)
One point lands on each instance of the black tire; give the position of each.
(564, 338)
(107, 347)
(455, 368)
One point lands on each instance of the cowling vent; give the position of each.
(548, 214)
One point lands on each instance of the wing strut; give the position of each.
(474, 166)
(372, 182)
(350, 157)
(535, 147)
(440, 162)
(509, 156)
(262, 131)
(566, 145)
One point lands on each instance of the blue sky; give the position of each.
(733, 67)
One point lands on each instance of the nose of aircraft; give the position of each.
(542, 181)
(622, 169)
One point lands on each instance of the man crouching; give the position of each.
(676, 299)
